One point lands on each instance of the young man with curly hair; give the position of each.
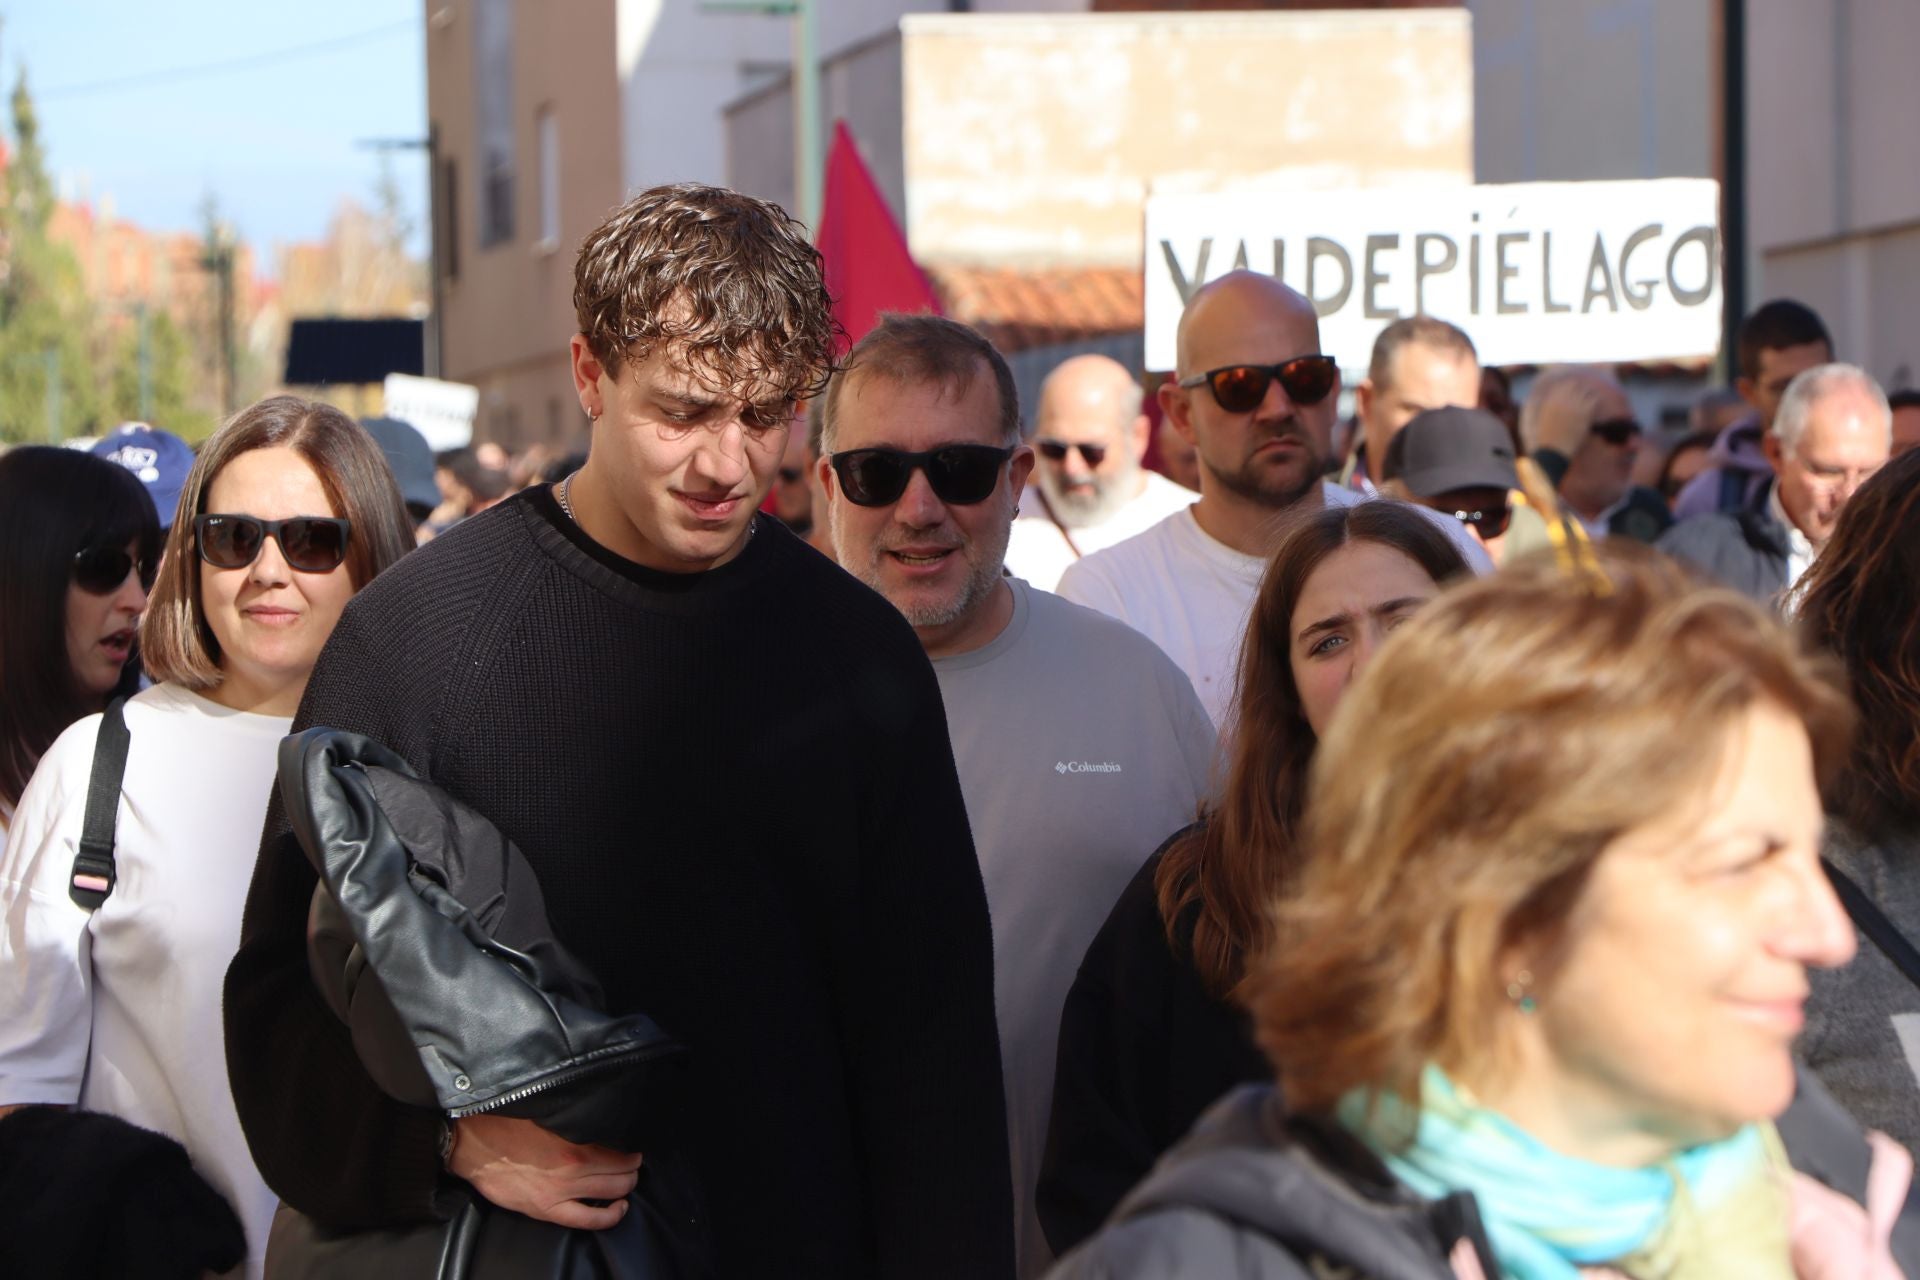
(776, 870)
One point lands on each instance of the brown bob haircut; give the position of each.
(1500, 742)
(728, 281)
(1229, 870)
(1861, 602)
(176, 643)
(915, 349)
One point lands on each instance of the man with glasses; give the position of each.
(1256, 396)
(1090, 490)
(1833, 430)
(1080, 746)
(1458, 462)
(727, 765)
(1579, 427)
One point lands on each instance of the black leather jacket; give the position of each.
(428, 936)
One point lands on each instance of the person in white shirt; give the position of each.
(289, 509)
(1256, 396)
(1090, 489)
(1079, 745)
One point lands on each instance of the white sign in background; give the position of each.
(443, 412)
(1536, 272)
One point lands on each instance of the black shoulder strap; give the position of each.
(93, 872)
(1875, 925)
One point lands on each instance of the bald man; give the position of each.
(1256, 397)
(1090, 489)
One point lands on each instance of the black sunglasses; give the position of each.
(311, 544)
(1490, 521)
(101, 571)
(1057, 450)
(1616, 431)
(1239, 388)
(961, 474)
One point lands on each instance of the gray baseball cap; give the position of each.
(1446, 449)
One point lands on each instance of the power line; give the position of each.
(225, 66)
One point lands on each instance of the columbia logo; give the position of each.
(1060, 768)
(1082, 766)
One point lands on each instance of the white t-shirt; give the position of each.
(119, 1010)
(1038, 551)
(1190, 594)
(1080, 747)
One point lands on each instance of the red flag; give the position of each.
(868, 267)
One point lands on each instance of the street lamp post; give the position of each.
(806, 91)
(432, 345)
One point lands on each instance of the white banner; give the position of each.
(441, 411)
(1536, 272)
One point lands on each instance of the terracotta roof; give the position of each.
(1018, 310)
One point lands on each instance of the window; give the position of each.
(493, 116)
(547, 143)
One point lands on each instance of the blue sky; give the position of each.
(273, 141)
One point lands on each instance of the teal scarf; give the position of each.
(1715, 1210)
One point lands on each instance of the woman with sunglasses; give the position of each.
(78, 542)
(1152, 1032)
(289, 510)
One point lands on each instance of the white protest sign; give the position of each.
(443, 412)
(1536, 272)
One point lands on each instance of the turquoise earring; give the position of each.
(1517, 991)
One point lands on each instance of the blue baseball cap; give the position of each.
(158, 459)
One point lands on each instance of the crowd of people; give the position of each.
(1469, 840)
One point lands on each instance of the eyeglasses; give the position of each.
(101, 571)
(960, 474)
(1617, 432)
(311, 544)
(1489, 522)
(1239, 388)
(1057, 450)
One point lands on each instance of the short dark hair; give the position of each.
(1426, 331)
(730, 281)
(1773, 326)
(1905, 398)
(918, 348)
(54, 503)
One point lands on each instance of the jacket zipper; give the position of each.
(540, 1086)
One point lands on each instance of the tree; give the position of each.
(47, 389)
(154, 377)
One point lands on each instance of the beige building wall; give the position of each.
(1834, 194)
(1571, 90)
(508, 309)
(1033, 139)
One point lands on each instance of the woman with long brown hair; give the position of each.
(1152, 1032)
(1861, 602)
(113, 1005)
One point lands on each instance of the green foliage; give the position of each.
(170, 399)
(47, 383)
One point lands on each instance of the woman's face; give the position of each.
(100, 628)
(270, 620)
(1675, 1013)
(1357, 595)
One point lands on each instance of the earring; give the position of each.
(1519, 992)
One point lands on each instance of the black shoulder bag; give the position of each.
(1875, 925)
(93, 870)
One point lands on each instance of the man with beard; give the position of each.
(1079, 745)
(1256, 396)
(1089, 438)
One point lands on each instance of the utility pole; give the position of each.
(433, 353)
(146, 361)
(52, 358)
(218, 260)
(806, 92)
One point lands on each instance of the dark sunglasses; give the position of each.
(1239, 388)
(311, 544)
(791, 475)
(1616, 431)
(1057, 450)
(1490, 521)
(961, 474)
(101, 571)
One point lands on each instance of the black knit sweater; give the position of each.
(737, 792)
